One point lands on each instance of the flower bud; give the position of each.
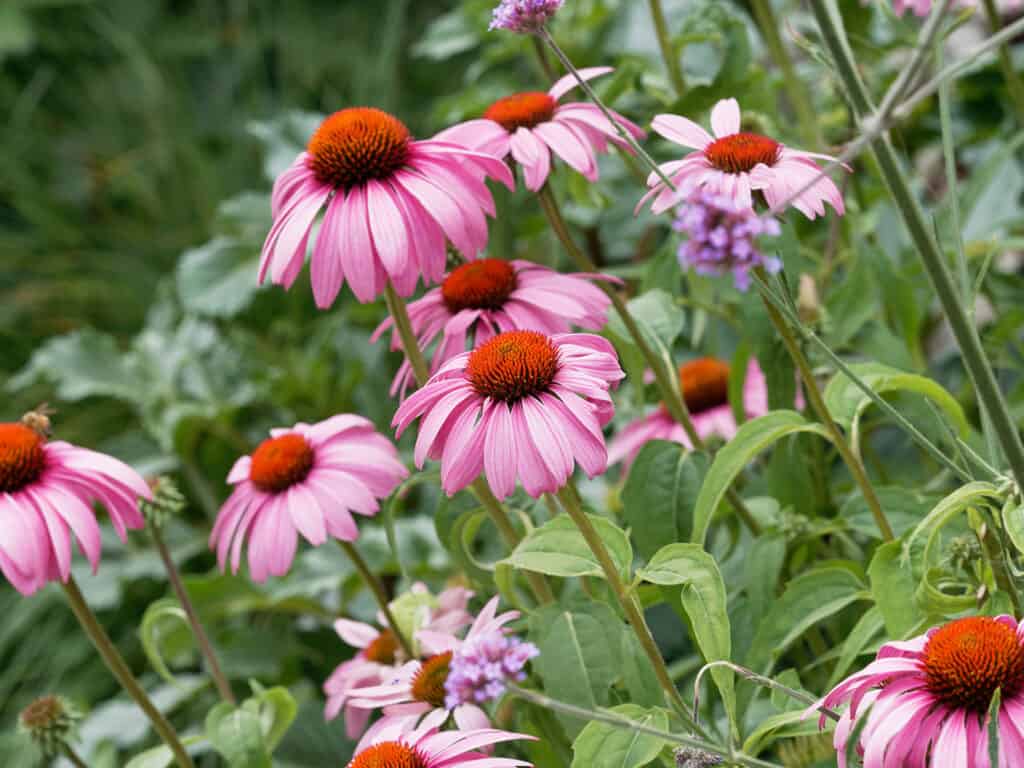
(167, 501)
(50, 722)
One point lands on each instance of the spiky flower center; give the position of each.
(388, 754)
(357, 144)
(740, 152)
(513, 365)
(968, 659)
(383, 648)
(705, 384)
(480, 284)
(428, 683)
(22, 458)
(281, 462)
(43, 713)
(522, 110)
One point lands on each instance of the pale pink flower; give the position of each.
(426, 747)
(391, 202)
(381, 654)
(47, 491)
(705, 386)
(522, 405)
(532, 125)
(306, 479)
(480, 299)
(734, 163)
(926, 700)
(924, 7)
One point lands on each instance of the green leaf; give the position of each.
(162, 757)
(893, 587)
(752, 438)
(660, 493)
(903, 507)
(237, 735)
(602, 745)
(856, 643)
(1013, 523)
(154, 621)
(410, 610)
(993, 727)
(811, 597)
(704, 599)
(638, 674)
(557, 548)
(217, 278)
(276, 709)
(658, 316)
(786, 725)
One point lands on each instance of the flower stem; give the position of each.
(668, 52)
(542, 58)
(202, 639)
(995, 554)
(795, 90)
(818, 404)
(571, 504)
(1013, 81)
(371, 580)
(663, 373)
(964, 330)
(73, 757)
(413, 353)
(119, 668)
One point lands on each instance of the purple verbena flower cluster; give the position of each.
(722, 237)
(481, 667)
(524, 16)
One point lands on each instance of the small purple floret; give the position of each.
(524, 16)
(482, 666)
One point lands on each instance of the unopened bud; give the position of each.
(50, 722)
(808, 304)
(167, 501)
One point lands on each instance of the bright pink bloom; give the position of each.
(533, 125)
(513, 407)
(486, 297)
(425, 747)
(47, 490)
(734, 163)
(381, 654)
(308, 479)
(705, 386)
(391, 202)
(929, 698)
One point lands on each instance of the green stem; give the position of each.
(119, 668)
(975, 361)
(542, 59)
(769, 26)
(371, 580)
(202, 639)
(818, 404)
(664, 376)
(73, 757)
(1013, 81)
(997, 560)
(411, 348)
(752, 676)
(571, 504)
(668, 52)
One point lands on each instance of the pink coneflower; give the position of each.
(380, 653)
(308, 479)
(734, 163)
(513, 407)
(47, 491)
(427, 748)
(533, 125)
(929, 698)
(478, 300)
(705, 386)
(390, 204)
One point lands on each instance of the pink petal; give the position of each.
(725, 118)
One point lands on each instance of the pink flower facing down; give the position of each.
(427, 748)
(524, 16)
(47, 490)
(390, 203)
(486, 297)
(926, 700)
(381, 655)
(308, 479)
(417, 696)
(532, 125)
(705, 386)
(734, 163)
(522, 405)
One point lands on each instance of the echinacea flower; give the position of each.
(522, 405)
(381, 654)
(926, 700)
(417, 693)
(47, 491)
(721, 237)
(734, 163)
(480, 299)
(306, 479)
(532, 125)
(426, 747)
(524, 16)
(390, 203)
(705, 386)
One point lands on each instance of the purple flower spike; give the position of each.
(524, 16)
(482, 666)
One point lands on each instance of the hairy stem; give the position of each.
(668, 53)
(119, 668)
(379, 594)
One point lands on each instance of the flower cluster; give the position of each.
(524, 16)
(482, 667)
